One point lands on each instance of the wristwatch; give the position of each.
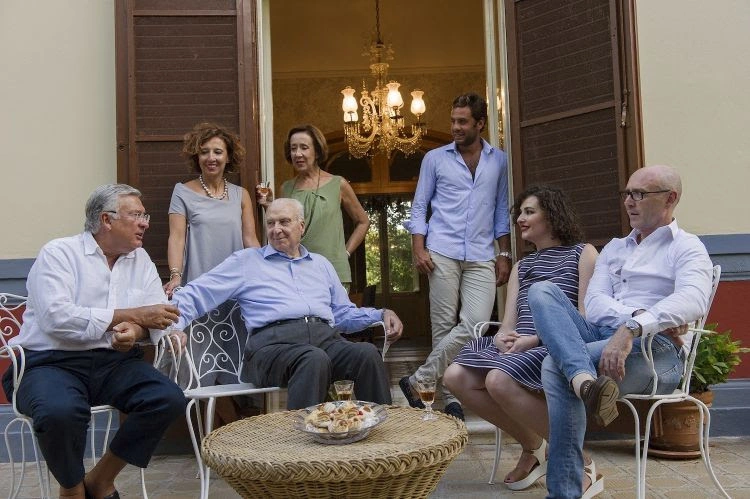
(505, 254)
(634, 327)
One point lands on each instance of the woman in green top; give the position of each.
(323, 195)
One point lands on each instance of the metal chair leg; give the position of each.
(498, 450)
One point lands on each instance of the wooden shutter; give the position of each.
(566, 61)
(180, 62)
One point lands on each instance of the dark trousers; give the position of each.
(59, 388)
(307, 357)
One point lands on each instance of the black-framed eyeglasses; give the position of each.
(137, 217)
(639, 195)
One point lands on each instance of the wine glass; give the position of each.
(344, 389)
(426, 388)
(263, 189)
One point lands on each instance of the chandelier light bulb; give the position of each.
(349, 104)
(417, 103)
(394, 99)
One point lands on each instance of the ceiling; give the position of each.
(328, 37)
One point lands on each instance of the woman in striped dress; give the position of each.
(499, 377)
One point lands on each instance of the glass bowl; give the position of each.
(323, 436)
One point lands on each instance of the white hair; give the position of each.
(105, 198)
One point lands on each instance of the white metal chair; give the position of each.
(214, 349)
(479, 329)
(681, 394)
(11, 308)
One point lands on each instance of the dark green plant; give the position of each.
(715, 359)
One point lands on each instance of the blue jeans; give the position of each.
(575, 346)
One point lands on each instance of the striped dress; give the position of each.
(558, 264)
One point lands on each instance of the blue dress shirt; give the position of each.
(270, 286)
(468, 214)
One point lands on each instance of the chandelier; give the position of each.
(382, 127)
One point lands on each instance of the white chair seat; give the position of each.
(206, 392)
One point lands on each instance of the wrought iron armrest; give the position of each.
(17, 357)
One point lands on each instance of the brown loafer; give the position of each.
(600, 397)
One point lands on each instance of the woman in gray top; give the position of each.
(209, 217)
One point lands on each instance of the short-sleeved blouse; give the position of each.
(214, 228)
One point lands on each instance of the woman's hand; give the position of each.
(504, 340)
(170, 286)
(263, 195)
(524, 342)
(512, 342)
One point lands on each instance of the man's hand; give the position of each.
(423, 261)
(125, 335)
(393, 325)
(612, 361)
(159, 316)
(502, 270)
(178, 339)
(675, 334)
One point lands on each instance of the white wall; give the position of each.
(57, 111)
(57, 117)
(695, 83)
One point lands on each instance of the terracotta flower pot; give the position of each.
(675, 430)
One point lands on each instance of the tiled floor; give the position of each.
(172, 477)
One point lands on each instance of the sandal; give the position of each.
(597, 481)
(537, 472)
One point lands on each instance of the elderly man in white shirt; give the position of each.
(92, 298)
(656, 279)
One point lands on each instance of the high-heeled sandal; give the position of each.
(536, 472)
(597, 481)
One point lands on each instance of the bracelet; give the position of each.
(348, 254)
(506, 254)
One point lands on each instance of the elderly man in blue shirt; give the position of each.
(465, 186)
(291, 300)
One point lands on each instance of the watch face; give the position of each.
(633, 326)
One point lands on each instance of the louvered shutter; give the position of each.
(566, 93)
(180, 62)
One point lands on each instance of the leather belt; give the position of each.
(305, 319)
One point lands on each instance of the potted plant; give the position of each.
(715, 359)
(677, 434)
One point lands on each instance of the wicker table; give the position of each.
(263, 456)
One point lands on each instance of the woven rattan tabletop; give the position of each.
(267, 448)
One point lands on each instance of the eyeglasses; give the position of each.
(137, 217)
(639, 195)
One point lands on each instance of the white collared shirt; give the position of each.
(73, 294)
(668, 274)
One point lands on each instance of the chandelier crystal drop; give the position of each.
(382, 127)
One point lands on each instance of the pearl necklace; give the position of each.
(208, 193)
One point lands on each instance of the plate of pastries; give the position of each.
(340, 422)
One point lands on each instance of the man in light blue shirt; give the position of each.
(290, 300)
(464, 185)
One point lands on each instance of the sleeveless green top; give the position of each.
(324, 223)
